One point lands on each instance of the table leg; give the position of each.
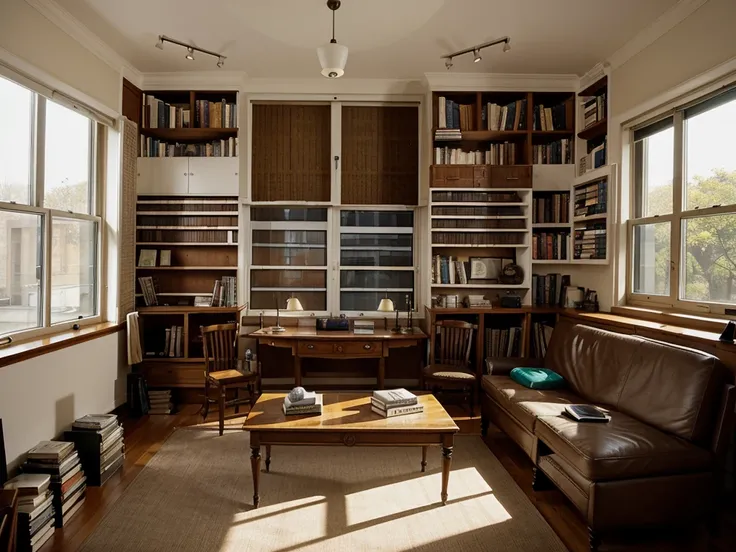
(268, 458)
(446, 462)
(255, 466)
(381, 372)
(297, 371)
(424, 459)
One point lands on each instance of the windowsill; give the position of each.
(17, 352)
(713, 323)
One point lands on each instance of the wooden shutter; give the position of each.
(380, 155)
(291, 152)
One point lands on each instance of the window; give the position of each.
(49, 228)
(683, 230)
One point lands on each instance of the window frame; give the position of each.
(35, 206)
(677, 219)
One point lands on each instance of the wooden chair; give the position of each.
(221, 370)
(449, 364)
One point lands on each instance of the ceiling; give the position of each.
(386, 38)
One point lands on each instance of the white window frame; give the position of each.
(35, 206)
(679, 214)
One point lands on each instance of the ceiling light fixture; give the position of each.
(475, 50)
(191, 48)
(333, 56)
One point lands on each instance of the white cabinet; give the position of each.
(208, 176)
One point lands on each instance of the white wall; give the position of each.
(42, 396)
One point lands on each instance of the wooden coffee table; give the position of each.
(347, 420)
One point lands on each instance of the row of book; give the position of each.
(220, 114)
(476, 211)
(550, 118)
(159, 114)
(595, 158)
(511, 116)
(188, 220)
(449, 270)
(390, 403)
(173, 345)
(590, 241)
(558, 152)
(594, 109)
(159, 401)
(550, 245)
(475, 197)
(496, 154)
(503, 342)
(591, 199)
(224, 237)
(506, 224)
(148, 289)
(547, 290)
(541, 334)
(224, 292)
(153, 147)
(453, 115)
(478, 238)
(551, 207)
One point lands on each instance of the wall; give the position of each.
(25, 33)
(42, 396)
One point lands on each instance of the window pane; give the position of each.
(710, 162)
(67, 160)
(73, 269)
(20, 274)
(652, 258)
(710, 259)
(16, 120)
(654, 165)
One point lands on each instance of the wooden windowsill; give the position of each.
(25, 350)
(695, 321)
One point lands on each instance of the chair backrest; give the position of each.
(220, 343)
(455, 338)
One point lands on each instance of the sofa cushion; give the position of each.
(623, 448)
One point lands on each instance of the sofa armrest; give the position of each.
(725, 423)
(501, 366)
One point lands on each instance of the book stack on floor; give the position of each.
(395, 402)
(60, 461)
(36, 522)
(99, 442)
(160, 401)
(300, 402)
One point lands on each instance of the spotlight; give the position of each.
(507, 46)
(160, 44)
(448, 63)
(220, 62)
(476, 56)
(190, 53)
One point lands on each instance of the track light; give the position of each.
(476, 56)
(160, 43)
(476, 50)
(190, 53)
(448, 63)
(507, 46)
(190, 49)
(220, 61)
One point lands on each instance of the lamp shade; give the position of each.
(293, 304)
(333, 57)
(386, 305)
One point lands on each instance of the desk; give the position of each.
(311, 343)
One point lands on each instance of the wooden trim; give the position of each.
(41, 346)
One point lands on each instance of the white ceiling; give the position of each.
(386, 38)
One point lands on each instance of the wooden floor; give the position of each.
(145, 436)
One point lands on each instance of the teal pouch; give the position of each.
(537, 378)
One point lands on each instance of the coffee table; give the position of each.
(347, 420)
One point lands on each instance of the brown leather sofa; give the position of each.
(656, 461)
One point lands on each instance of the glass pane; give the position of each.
(369, 300)
(288, 278)
(396, 280)
(710, 163)
(654, 165)
(652, 258)
(310, 300)
(16, 121)
(20, 274)
(67, 168)
(393, 219)
(710, 259)
(281, 214)
(73, 269)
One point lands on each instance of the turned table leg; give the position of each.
(424, 459)
(446, 463)
(268, 458)
(255, 466)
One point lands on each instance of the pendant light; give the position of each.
(333, 56)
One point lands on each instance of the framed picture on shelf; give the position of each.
(573, 297)
(485, 268)
(166, 257)
(147, 257)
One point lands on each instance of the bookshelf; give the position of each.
(593, 126)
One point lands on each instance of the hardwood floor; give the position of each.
(145, 436)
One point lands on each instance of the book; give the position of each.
(309, 399)
(315, 408)
(94, 421)
(586, 413)
(165, 257)
(33, 512)
(147, 257)
(74, 509)
(390, 398)
(40, 538)
(51, 450)
(398, 411)
(29, 484)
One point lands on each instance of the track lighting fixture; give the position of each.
(475, 50)
(191, 48)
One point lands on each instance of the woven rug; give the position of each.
(196, 495)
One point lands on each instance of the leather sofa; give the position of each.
(656, 462)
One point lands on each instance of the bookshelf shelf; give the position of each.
(192, 244)
(486, 135)
(552, 133)
(600, 216)
(551, 225)
(594, 131)
(482, 286)
(186, 268)
(190, 134)
(483, 230)
(481, 245)
(184, 227)
(550, 261)
(592, 175)
(184, 309)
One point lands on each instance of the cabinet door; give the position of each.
(448, 176)
(163, 175)
(213, 176)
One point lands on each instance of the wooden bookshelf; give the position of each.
(592, 134)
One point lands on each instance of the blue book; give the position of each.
(448, 114)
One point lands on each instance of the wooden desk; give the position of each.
(311, 343)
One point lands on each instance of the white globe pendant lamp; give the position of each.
(333, 56)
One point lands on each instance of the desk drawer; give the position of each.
(368, 348)
(316, 347)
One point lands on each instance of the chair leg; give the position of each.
(472, 403)
(206, 405)
(237, 404)
(253, 396)
(223, 391)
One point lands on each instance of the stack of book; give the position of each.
(497, 154)
(99, 442)
(311, 403)
(448, 134)
(363, 327)
(36, 522)
(395, 402)
(596, 158)
(594, 110)
(472, 301)
(160, 401)
(60, 461)
(224, 292)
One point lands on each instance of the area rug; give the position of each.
(196, 495)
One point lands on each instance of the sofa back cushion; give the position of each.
(594, 362)
(675, 389)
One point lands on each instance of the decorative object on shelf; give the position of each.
(729, 332)
(409, 320)
(333, 56)
(165, 257)
(191, 48)
(590, 302)
(512, 274)
(147, 257)
(386, 305)
(510, 301)
(475, 50)
(485, 268)
(573, 297)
